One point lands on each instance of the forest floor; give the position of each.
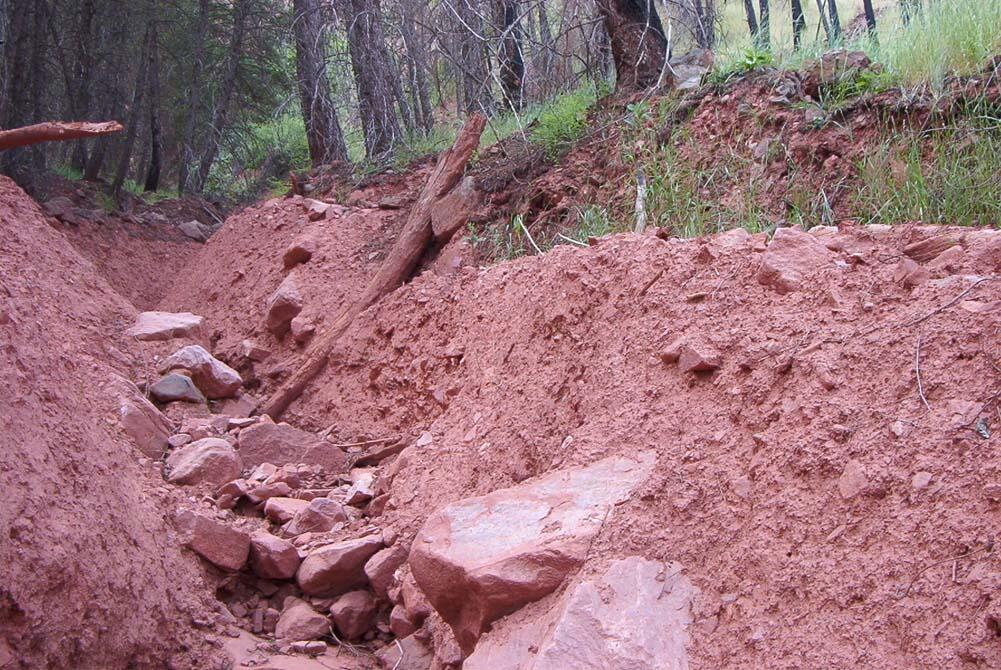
(761, 446)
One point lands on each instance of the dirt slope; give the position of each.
(828, 516)
(92, 577)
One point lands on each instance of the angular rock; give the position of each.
(299, 621)
(300, 251)
(310, 648)
(213, 377)
(380, 568)
(179, 440)
(175, 387)
(283, 306)
(698, 357)
(145, 424)
(415, 655)
(196, 230)
(910, 274)
(281, 443)
(792, 258)
(853, 480)
(281, 510)
(214, 541)
(337, 568)
(210, 459)
(316, 209)
(254, 351)
(318, 516)
(634, 616)
(151, 326)
(361, 490)
(272, 557)
(259, 494)
(302, 329)
(482, 558)
(354, 613)
(399, 623)
(58, 207)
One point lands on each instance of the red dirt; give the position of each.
(85, 585)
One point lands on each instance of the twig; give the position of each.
(951, 302)
(640, 200)
(917, 373)
(402, 654)
(571, 240)
(943, 561)
(652, 281)
(340, 643)
(529, 236)
(366, 443)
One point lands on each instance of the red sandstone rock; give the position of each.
(214, 541)
(792, 258)
(482, 558)
(272, 557)
(634, 616)
(281, 510)
(283, 306)
(337, 568)
(698, 357)
(212, 377)
(299, 251)
(151, 326)
(354, 613)
(210, 459)
(399, 623)
(299, 621)
(281, 443)
(145, 424)
(381, 568)
(318, 516)
(415, 656)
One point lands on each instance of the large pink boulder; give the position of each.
(280, 443)
(482, 558)
(210, 459)
(634, 616)
(212, 377)
(793, 257)
(151, 326)
(337, 568)
(271, 557)
(381, 568)
(213, 540)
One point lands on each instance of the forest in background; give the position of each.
(228, 96)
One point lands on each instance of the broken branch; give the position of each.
(55, 131)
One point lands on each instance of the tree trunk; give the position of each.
(193, 98)
(220, 116)
(705, 23)
(752, 21)
(544, 67)
(639, 46)
(371, 66)
(512, 61)
(870, 16)
(764, 29)
(397, 267)
(80, 98)
(138, 94)
(798, 24)
(473, 59)
(323, 128)
(155, 136)
(835, 35)
(416, 53)
(55, 131)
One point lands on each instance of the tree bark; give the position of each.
(764, 28)
(512, 61)
(639, 46)
(80, 98)
(193, 98)
(220, 116)
(155, 133)
(752, 20)
(416, 50)
(397, 267)
(798, 24)
(323, 128)
(55, 131)
(138, 95)
(870, 16)
(832, 7)
(474, 60)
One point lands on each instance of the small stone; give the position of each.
(921, 480)
(282, 510)
(148, 428)
(210, 460)
(698, 358)
(254, 351)
(672, 351)
(272, 557)
(310, 647)
(853, 480)
(175, 387)
(354, 613)
(910, 273)
(213, 377)
(179, 440)
(415, 655)
(299, 621)
(300, 251)
(742, 487)
(259, 494)
(792, 258)
(283, 306)
(302, 329)
(899, 429)
(425, 439)
(318, 516)
(399, 623)
(196, 230)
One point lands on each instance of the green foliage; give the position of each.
(752, 58)
(952, 178)
(562, 121)
(68, 172)
(264, 152)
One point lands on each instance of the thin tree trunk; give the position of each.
(639, 46)
(752, 20)
(512, 60)
(835, 36)
(155, 135)
(323, 128)
(419, 82)
(545, 58)
(764, 29)
(473, 59)
(193, 100)
(80, 98)
(138, 94)
(823, 20)
(798, 24)
(870, 16)
(220, 116)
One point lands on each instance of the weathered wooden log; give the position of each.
(395, 270)
(55, 131)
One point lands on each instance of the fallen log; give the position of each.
(395, 270)
(55, 131)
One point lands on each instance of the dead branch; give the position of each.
(397, 267)
(55, 131)
(917, 374)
